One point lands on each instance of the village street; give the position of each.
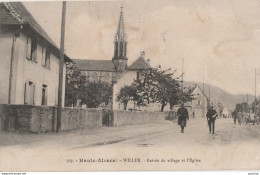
(144, 145)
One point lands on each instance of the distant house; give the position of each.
(199, 106)
(29, 68)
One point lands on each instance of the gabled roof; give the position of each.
(94, 65)
(192, 89)
(211, 101)
(140, 64)
(201, 91)
(15, 13)
(18, 14)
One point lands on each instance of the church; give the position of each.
(115, 71)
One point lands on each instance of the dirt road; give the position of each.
(158, 146)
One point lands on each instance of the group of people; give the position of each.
(245, 117)
(183, 116)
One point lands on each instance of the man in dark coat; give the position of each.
(182, 114)
(234, 115)
(211, 117)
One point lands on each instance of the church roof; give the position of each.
(15, 13)
(94, 65)
(140, 64)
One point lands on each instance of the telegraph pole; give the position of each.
(182, 74)
(255, 93)
(182, 81)
(203, 102)
(61, 66)
(209, 93)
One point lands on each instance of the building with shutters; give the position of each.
(29, 69)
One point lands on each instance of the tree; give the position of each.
(126, 94)
(75, 81)
(254, 105)
(96, 93)
(242, 107)
(158, 86)
(179, 95)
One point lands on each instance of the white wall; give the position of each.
(126, 79)
(5, 58)
(27, 70)
(196, 108)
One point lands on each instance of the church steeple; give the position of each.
(120, 45)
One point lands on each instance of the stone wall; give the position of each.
(43, 118)
(121, 118)
(15, 117)
(79, 118)
(39, 119)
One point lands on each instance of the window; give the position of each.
(137, 75)
(43, 56)
(121, 49)
(44, 94)
(29, 93)
(46, 57)
(34, 51)
(94, 77)
(28, 49)
(106, 78)
(31, 52)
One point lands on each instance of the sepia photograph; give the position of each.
(147, 85)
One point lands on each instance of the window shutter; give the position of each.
(46, 95)
(27, 93)
(56, 96)
(33, 93)
(35, 52)
(28, 51)
(47, 58)
(43, 56)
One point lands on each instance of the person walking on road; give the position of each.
(183, 115)
(234, 115)
(211, 117)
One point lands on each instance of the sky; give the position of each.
(217, 40)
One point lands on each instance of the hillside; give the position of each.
(219, 95)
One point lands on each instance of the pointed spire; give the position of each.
(120, 34)
(120, 45)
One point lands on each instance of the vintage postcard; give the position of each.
(129, 85)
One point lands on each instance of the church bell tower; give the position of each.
(120, 46)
